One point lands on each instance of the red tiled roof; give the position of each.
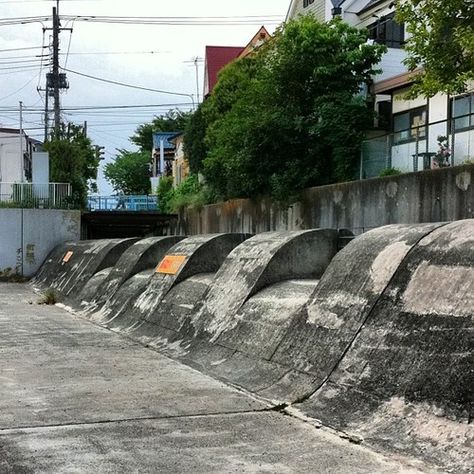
(216, 58)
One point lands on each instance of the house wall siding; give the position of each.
(318, 9)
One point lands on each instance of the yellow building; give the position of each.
(180, 163)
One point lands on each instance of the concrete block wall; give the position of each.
(27, 236)
(427, 196)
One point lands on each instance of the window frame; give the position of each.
(374, 31)
(469, 115)
(412, 136)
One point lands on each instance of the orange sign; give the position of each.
(171, 264)
(68, 256)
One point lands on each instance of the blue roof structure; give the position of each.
(166, 137)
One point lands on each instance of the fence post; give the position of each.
(417, 150)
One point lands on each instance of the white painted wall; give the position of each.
(11, 166)
(27, 236)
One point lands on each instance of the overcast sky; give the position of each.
(166, 69)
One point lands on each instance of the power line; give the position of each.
(21, 88)
(21, 49)
(131, 86)
(114, 52)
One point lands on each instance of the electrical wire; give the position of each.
(123, 84)
(21, 49)
(20, 89)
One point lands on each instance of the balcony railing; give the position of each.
(414, 149)
(134, 203)
(34, 195)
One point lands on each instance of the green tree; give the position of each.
(129, 173)
(441, 42)
(292, 115)
(173, 120)
(73, 160)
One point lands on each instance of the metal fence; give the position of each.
(34, 195)
(417, 148)
(132, 203)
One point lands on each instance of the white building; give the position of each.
(408, 130)
(15, 165)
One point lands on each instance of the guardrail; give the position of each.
(134, 203)
(35, 195)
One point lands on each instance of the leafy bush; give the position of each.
(287, 117)
(390, 172)
(165, 194)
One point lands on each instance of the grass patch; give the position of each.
(10, 275)
(49, 297)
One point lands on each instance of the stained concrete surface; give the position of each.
(78, 398)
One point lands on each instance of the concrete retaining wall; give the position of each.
(27, 236)
(428, 196)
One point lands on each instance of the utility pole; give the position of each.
(21, 139)
(197, 77)
(55, 81)
(46, 115)
(57, 105)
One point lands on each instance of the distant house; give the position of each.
(217, 57)
(16, 167)
(163, 154)
(180, 163)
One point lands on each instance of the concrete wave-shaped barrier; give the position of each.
(71, 266)
(142, 256)
(283, 341)
(407, 381)
(197, 255)
(265, 275)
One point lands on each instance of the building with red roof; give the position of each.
(217, 57)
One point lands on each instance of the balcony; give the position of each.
(414, 149)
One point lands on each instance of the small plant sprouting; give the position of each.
(49, 297)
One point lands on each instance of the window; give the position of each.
(307, 3)
(408, 124)
(388, 32)
(462, 112)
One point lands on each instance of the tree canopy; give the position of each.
(441, 42)
(289, 116)
(173, 120)
(129, 173)
(73, 159)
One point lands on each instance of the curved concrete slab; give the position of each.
(261, 261)
(141, 256)
(407, 379)
(252, 301)
(71, 265)
(189, 257)
(321, 333)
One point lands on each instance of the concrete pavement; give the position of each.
(75, 397)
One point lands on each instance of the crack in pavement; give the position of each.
(5, 431)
